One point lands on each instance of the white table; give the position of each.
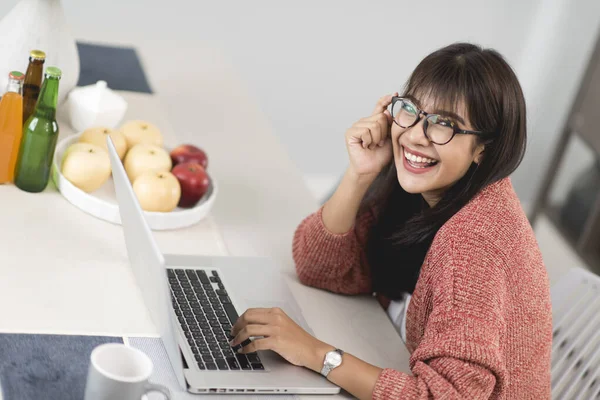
(63, 271)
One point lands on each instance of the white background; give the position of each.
(315, 67)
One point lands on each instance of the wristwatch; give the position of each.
(333, 359)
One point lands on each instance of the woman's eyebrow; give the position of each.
(450, 114)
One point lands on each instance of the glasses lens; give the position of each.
(404, 113)
(439, 129)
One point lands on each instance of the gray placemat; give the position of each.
(119, 66)
(48, 367)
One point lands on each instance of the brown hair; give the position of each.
(482, 82)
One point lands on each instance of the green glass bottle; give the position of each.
(40, 134)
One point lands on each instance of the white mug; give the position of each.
(120, 372)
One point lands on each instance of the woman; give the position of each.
(426, 216)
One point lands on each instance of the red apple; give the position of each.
(194, 183)
(189, 153)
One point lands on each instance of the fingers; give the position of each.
(371, 131)
(258, 344)
(372, 134)
(383, 103)
(251, 331)
(252, 316)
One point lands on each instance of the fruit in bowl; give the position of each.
(157, 191)
(98, 135)
(189, 153)
(86, 166)
(194, 182)
(146, 157)
(137, 132)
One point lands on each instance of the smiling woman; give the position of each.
(426, 214)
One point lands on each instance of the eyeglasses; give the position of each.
(438, 129)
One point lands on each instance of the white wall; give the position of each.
(317, 66)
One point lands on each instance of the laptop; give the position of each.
(194, 301)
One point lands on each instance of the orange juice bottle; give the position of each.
(11, 126)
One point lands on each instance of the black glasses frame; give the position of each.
(455, 129)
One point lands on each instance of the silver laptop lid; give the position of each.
(147, 262)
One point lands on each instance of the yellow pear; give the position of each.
(86, 166)
(98, 135)
(137, 132)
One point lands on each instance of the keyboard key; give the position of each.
(232, 362)
(205, 352)
(258, 367)
(215, 273)
(225, 345)
(231, 313)
(207, 287)
(180, 273)
(243, 361)
(203, 277)
(207, 358)
(220, 314)
(228, 353)
(225, 300)
(211, 366)
(190, 273)
(253, 358)
(201, 366)
(222, 364)
(221, 292)
(221, 286)
(224, 321)
(170, 273)
(214, 323)
(215, 279)
(191, 341)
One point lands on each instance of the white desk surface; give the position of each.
(63, 271)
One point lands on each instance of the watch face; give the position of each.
(334, 358)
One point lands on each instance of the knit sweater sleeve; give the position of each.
(334, 262)
(459, 355)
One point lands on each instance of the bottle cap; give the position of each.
(37, 55)
(53, 72)
(16, 75)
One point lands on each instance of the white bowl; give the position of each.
(103, 202)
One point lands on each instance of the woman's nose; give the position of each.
(416, 134)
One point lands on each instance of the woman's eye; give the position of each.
(444, 122)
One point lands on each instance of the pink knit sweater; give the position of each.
(479, 324)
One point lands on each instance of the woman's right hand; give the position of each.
(369, 141)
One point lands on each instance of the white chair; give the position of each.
(576, 336)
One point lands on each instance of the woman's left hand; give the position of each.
(278, 332)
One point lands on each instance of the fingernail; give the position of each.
(231, 343)
(240, 351)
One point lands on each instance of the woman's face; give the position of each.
(451, 161)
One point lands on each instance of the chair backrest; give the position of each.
(576, 336)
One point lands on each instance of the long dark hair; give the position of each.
(483, 82)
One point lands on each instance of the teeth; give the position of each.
(418, 159)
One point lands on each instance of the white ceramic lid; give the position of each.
(98, 97)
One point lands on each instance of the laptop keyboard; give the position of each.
(206, 315)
